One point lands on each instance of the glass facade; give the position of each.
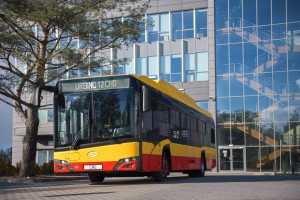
(258, 83)
(163, 28)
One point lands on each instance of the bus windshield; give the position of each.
(95, 117)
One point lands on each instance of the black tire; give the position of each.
(96, 177)
(161, 176)
(203, 167)
(200, 172)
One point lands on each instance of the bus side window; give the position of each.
(212, 136)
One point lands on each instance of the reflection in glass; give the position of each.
(152, 67)
(282, 133)
(265, 83)
(222, 36)
(176, 25)
(223, 131)
(223, 86)
(153, 28)
(221, 9)
(202, 66)
(266, 108)
(189, 67)
(165, 68)
(176, 68)
(188, 24)
(222, 65)
(237, 109)
(293, 10)
(253, 159)
(141, 66)
(252, 134)
(268, 158)
(264, 12)
(237, 134)
(203, 104)
(267, 134)
(235, 13)
(249, 13)
(201, 23)
(223, 110)
(251, 109)
(264, 33)
(250, 58)
(279, 8)
(278, 31)
(251, 84)
(281, 109)
(280, 82)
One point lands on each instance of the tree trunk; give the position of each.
(30, 143)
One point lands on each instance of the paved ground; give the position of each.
(212, 186)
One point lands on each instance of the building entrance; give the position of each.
(231, 158)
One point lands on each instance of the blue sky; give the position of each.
(5, 126)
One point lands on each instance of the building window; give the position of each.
(45, 116)
(188, 24)
(201, 23)
(176, 68)
(165, 68)
(152, 67)
(189, 67)
(148, 66)
(203, 104)
(202, 66)
(153, 28)
(158, 29)
(176, 25)
(44, 156)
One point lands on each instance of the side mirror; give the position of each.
(146, 98)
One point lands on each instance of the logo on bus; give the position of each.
(92, 154)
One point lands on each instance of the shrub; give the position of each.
(6, 169)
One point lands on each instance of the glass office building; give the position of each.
(258, 84)
(238, 59)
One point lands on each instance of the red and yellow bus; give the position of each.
(129, 125)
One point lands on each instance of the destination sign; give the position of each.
(94, 84)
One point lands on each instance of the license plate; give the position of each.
(92, 167)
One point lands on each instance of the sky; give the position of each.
(5, 126)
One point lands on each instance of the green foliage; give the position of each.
(5, 155)
(6, 169)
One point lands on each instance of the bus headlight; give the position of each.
(127, 164)
(62, 166)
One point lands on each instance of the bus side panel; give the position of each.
(151, 157)
(185, 157)
(210, 154)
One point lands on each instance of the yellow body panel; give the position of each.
(178, 149)
(112, 152)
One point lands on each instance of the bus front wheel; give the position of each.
(161, 176)
(96, 177)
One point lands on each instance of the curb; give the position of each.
(38, 179)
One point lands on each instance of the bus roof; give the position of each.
(171, 91)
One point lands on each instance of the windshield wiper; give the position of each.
(112, 139)
(79, 133)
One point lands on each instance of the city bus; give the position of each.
(130, 125)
